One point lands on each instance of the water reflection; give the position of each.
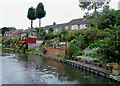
(43, 70)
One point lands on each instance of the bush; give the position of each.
(78, 53)
(42, 47)
(92, 35)
(43, 43)
(49, 36)
(94, 45)
(72, 47)
(72, 35)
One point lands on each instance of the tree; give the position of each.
(31, 15)
(108, 17)
(51, 30)
(27, 34)
(4, 29)
(42, 33)
(37, 30)
(40, 12)
(92, 5)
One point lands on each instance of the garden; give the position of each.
(98, 46)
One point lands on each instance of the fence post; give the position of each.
(45, 45)
(65, 49)
(53, 45)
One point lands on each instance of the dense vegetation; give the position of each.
(105, 38)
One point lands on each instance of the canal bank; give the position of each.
(43, 70)
(87, 67)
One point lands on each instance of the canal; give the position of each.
(32, 69)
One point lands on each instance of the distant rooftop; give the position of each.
(12, 31)
(72, 22)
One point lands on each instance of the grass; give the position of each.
(58, 56)
(9, 48)
(33, 52)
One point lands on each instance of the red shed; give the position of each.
(30, 40)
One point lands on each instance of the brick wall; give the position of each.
(14, 34)
(55, 51)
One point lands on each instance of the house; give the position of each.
(33, 32)
(75, 24)
(13, 33)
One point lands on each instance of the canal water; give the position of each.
(33, 69)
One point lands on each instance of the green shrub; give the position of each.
(78, 53)
(42, 47)
(94, 45)
(72, 47)
(43, 43)
(92, 35)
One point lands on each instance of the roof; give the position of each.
(60, 25)
(12, 31)
(79, 21)
(47, 27)
(29, 30)
(72, 22)
(30, 36)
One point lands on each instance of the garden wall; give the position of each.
(55, 51)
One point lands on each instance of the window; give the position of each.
(56, 29)
(74, 27)
(82, 26)
(46, 31)
(66, 27)
(60, 29)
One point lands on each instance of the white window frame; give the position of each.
(60, 29)
(56, 29)
(83, 26)
(74, 27)
(46, 31)
(66, 27)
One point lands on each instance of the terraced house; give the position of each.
(75, 24)
(33, 32)
(13, 33)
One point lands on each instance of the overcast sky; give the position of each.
(13, 13)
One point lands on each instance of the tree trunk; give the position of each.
(31, 25)
(95, 14)
(39, 23)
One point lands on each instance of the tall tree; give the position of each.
(40, 12)
(31, 15)
(92, 5)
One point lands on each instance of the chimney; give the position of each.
(54, 23)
